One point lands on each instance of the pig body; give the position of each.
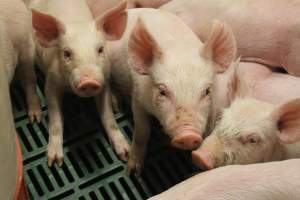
(252, 129)
(17, 48)
(71, 49)
(167, 72)
(274, 180)
(261, 83)
(267, 32)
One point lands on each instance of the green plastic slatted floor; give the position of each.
(91, 169)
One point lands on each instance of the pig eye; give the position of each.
(163, 92)
(252, 141)
(67, 54)
(100, 50)
(207, 91)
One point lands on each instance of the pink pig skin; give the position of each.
(274, 180)
(260, 122)
(262, 84)
(72, 51)
(17, 48)
(267, 31)
(168, 73)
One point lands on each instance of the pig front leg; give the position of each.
(140, 138)
(104, 106)
(55, 143)
(27, 76)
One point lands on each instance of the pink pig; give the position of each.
(254, 130)
(169, 73)
(72, 50)
(274, 180)
(267, 31)
(264, 31)
(17, 48)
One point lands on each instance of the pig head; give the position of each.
(81, 47)
(176, 84)
(250, 131)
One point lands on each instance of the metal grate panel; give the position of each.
(91, 169)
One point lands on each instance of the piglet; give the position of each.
(17, 48)
(167, 72)
(72, 50)
(274, 180)
(252, 130)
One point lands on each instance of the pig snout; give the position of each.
(203, 159)
(88, 87)
(187, 139)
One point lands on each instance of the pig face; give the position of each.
(81, 47)
(180, 86)
(245, 134)
(250, 131)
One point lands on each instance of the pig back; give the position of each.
(273, 180)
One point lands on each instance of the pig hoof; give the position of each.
(35, 114)
(122, 149)
(134, 166)
(120, 145)
(55, 153)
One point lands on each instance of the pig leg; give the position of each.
(27, 76)
(55, 143)
(140, 139)
(103, 102)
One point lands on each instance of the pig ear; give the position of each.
(113, 22)
(236, 86)
(220, 47)
(142, 48)
(47, 28)
(287, 119)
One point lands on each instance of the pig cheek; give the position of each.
(66, 69)
(103, 68)
(163, 110)
(204, 109)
